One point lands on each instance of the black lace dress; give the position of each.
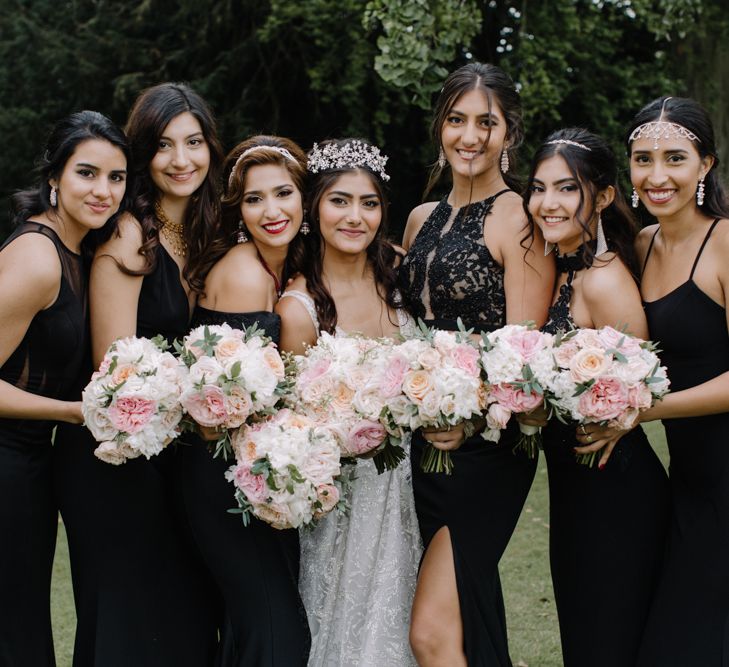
(141, 592)
(256, 567)
(689, 619)
(606, 537)
(46, 360)
(449, 273)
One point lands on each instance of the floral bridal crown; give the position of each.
(350, 155)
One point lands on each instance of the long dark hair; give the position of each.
(691, 115)
(235, 170)
(63, 140)
(497, 86)
(594, 170)
(151, 113)
(380, 253)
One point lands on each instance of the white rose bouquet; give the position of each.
(338, 384)
(605, 376)
(132, 404)
(518, 363)
(230, 377)
(285, 470)
(434, 379)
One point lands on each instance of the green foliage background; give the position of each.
(312, 69)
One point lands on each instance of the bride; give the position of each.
(358, 571)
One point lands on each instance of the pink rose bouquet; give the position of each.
(132, 404)
(433, 379)
(605, 376)
(340, 382)
(517, 360)
(286, 470)
(230, 377)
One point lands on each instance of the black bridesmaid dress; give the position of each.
(50, 354)
(450, 267)
(256, 567)
(689, 619)
(142, 597)
(606, 536)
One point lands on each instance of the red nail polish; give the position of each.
(601, 466)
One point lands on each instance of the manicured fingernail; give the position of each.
(601, 466)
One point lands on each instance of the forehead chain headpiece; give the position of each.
(662, 129)
(570, 143)
(350, 155)
(259, 147)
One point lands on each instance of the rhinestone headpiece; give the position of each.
(260, 147)
(350, 155)
(662, 129)
(570, 143)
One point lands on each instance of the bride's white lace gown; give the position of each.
(358, 572)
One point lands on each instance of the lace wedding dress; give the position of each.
(358, 571)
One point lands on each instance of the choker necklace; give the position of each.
(267, 269)
(172, 231)
(573, 261)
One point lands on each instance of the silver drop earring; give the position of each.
(305, 229)
(441, 158)
(548, 247)
(634, 199)
(242, 237)
(700, 192)
(602, 245)
(504, 161)
(53, 197)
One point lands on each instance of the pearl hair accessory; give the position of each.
(260, 147)
(569, 142)
(350, 155)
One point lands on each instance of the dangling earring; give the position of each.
(634, 199)
(441, 158)
(304, 229)
(548, 247)
(242, 237)
(700, 192)
(53, 197)
(602, 245)
(504, 161)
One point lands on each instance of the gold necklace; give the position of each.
(172, 231)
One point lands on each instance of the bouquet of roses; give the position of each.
(230, 376)
(132, 404)
(605, 377)
(433, 379)
(338, 383)
(285, 470)
(518, 363)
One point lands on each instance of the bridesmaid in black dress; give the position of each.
(608, 525)
(466, 260)
(255, 568)
(43, 310)
(673, 167)
(141, 594)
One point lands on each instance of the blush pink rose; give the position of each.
(206, 407)
(565, 352)
(253, 486)
(612, 338)
(527, 343)
(131, 414)
(328, 496)
(391, 380)
(466, 357)
(640, 397)
(515, 399)
(315, 370)
(237, 407)
(606, 399)
(365, 436)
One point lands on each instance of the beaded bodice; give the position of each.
(449, 272)
(559, 317)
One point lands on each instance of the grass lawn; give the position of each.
(532, 616)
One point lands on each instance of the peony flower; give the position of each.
(130, 413)
(605, 399)
(253, 486)
(207, 406)
(365, 436)
(515, 399)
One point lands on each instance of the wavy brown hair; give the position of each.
(380, 253)
(151, 113)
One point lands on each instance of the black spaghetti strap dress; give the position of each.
(607, 531)
(689, 619)
(142, 597)
(450, 273)
(48, 357)
(256, 567)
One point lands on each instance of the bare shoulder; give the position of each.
(36, 258)
(509, 210)
(721, 231)
(607, 276)
(238, 271)
(124, 244)
(415, 222)
(643, 240)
